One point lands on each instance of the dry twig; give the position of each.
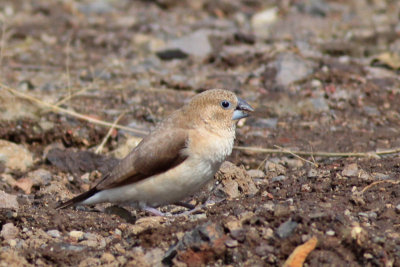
(2, 43)
(70, 112)
(297, 156)
(379, 182)
(67, 63)
(103, 142)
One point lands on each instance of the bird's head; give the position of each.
(219, 107)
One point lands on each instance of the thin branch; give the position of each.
(372, 154)
(71, 95)
(103, 142)
(70, 112)
(67, 63)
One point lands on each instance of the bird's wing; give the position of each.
(157, 153)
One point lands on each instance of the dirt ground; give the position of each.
(322, 75)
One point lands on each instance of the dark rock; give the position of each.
(245, 38)
(170, 54)
(239, 235)
(199, 246)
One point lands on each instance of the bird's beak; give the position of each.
(241, 110)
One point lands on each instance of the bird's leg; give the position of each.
(192, 208)
(155, 211)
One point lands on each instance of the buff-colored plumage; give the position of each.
(178, 158)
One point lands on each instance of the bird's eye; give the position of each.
(225, 104)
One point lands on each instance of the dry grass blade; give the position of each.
(100, 147)
(67, 63)
(90, 86)
(297, 156)
(2, 42)
(69, 112)
(378, 182)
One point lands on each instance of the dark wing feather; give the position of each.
(157, 153)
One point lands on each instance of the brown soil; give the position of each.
(50, 46)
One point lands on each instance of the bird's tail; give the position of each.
(78, 199)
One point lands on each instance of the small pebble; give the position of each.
(286, 229)
(312, 173)
(256, 173)
(267, 233)
(330, 233)
(118, 232)
(231, 243)
(398, 208)
(54, 233)
(76, 234)
(107, 257)
(264, 250)
(279, 178)
(9, 231)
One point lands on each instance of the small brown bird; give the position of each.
(179, 157)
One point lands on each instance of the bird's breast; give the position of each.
(210, 146)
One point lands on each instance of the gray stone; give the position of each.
(8, 201)
(312, 173)
(231, 243)
(270, 123)
(291, 68)
(381, 176)
(54, 233)
(14, 108)
(279, 178)
(320, 104)
(196, 44)
(256, 173)
(314, 7)
(15, 156)
(368, 214)
(261, 21)
(264, 250)
(372, 111)
(96, 7)
(9, 231)
(40, 177)
(286, 229)
(350, 170)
